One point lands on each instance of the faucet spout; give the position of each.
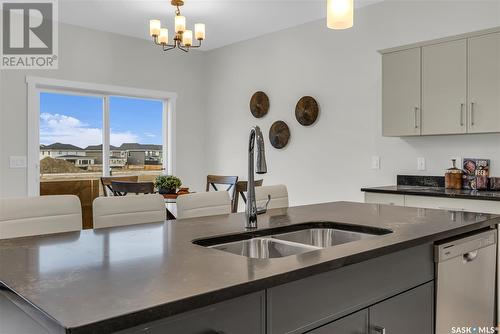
(251, 209)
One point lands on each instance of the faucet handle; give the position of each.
(263, 210)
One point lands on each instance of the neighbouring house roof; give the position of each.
(99, 148)
(61, 146)
(69, 156)
(140, 147)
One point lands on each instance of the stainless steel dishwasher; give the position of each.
(465, 285)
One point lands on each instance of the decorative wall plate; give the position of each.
(279, 134)
(306, 110)
(259, 104)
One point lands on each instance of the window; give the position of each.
(136, 129)
(92, 125)
(69, 124)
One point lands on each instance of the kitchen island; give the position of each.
(153, 278)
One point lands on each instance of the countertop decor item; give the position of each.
(476, 173)
(495, 183)
(183, 38)
(306, 110)
(279, 134)
(259, 104)
(453, 176)
(167, 184)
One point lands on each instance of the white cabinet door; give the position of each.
(453, 204)
(390, 199)
(444, 88)
(401, 93)
(484, 83)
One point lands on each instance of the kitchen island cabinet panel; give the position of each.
(411, 312)
(308, 303)
(243, 315)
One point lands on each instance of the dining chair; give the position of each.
(203, 204)
(241, 189)
(128, 210)
(28, 216)
(121, 188)
(106, 182)
(278, 193)
(218, 180)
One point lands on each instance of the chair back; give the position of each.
(203, 204)
(229, 181)
(28, 216)
(128, 210)
(106, 182)
(121, 188)
(241, 189)
(278, 193)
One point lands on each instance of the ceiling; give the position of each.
(227, 21)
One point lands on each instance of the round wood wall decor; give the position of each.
(306, 110)
(279, 134)
(259, 104)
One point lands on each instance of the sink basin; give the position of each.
(290, 240)
(322, 237)
(264, 248)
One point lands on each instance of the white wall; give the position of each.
(331, 159)
(106, 58)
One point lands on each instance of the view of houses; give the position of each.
(67, 158)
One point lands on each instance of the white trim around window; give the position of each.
(36, 85)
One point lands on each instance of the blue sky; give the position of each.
(77, 120)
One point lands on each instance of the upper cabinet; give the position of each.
(446, 86)
(401, 93)
(484, 84)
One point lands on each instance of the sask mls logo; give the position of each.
(29, 34)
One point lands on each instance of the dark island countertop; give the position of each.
(488, 195)
(104, 280)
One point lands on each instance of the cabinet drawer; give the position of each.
(390, 199)
(356, 323)
(411, 312)
(243, 315)
(457, 204)
(314, 301)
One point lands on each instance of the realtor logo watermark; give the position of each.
(29, 34)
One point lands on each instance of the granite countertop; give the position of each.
(489, 195)
(104, 280)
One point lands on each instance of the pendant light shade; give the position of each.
(340, 14)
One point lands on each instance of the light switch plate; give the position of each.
(375, 162)
(421, 163)
(17, 162)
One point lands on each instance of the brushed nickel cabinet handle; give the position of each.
(462, 114)
(416, 117)
(379, 329)
(472, 113)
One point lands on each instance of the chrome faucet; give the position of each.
(251, 209)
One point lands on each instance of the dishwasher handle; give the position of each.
(470, 256)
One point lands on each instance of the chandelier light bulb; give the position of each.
(199, 31)
(154, 27)
(340, 14)
(163, 37)
(180, 23)
(187, 38)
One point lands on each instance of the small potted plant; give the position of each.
(167, 184)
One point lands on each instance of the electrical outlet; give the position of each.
(17, 162)
(421, 163)
(375, 162)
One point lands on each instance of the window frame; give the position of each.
(37, 85)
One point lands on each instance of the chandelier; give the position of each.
(183, 39)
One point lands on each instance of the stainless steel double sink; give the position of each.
(290, 240)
